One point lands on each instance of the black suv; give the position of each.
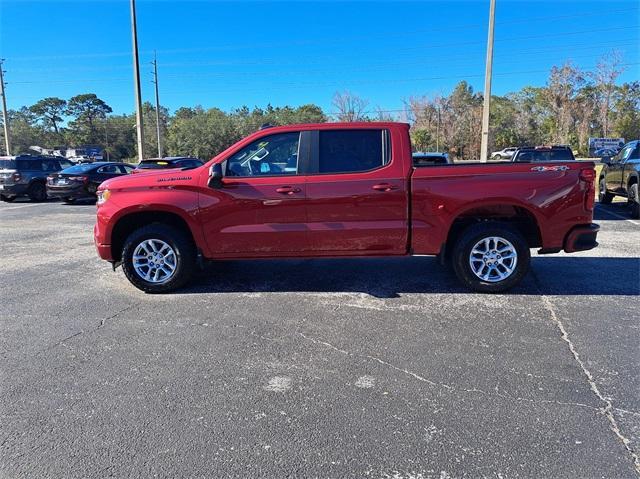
(619, 177)
(26, 175)
(543, 153)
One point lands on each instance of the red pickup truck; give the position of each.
(343, 189)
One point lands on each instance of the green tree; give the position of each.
(626, 116)
(87, 109)
(25, 131)
(50, 111)
(422, 139)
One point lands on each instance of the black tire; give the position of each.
(92, 189)
(471, 237)
(604, 196)
(37, 192)
(634, 201)
(179, 241)
(8, 199)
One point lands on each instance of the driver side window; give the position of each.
(273, 155)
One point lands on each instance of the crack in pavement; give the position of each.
(448, 386)
(608, 408)
(100, 325)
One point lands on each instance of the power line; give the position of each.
(379, 66)
(278, 61)
(343, 84)
(334, 39)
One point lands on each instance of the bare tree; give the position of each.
(609, 68)
(349, 107)
(563, 85)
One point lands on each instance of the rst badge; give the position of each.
(550, 168)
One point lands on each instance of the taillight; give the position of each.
(16, 177)
(84, 179)
(588, 175)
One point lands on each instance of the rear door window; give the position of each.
(29, 165)
(350, 151)
(50, 165)
(109, 169)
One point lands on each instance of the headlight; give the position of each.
(103, 196)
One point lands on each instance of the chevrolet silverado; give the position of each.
(343, 189)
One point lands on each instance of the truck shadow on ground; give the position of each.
(391, 277)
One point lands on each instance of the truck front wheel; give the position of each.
(158, 258)
(490, 257)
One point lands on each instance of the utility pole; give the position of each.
(438, 130)
(484, 144)
(136, 81)
(155, 80)
(5, 118)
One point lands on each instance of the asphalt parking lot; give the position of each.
(327, 368)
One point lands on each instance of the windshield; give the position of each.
(79, 168)
(544, 155)
(7, 164)
(155, 164)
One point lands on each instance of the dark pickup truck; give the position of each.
(619, 177)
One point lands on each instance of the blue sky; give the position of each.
(229, 54)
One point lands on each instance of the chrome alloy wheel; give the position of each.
(493, 259)
(154, 261)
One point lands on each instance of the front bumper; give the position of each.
(581, 238)
(103, 249)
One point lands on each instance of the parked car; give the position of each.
(26, 175)
(82, 181)
(619, 177)
(166, 163)
(543, 153)
(353, 191)
(504, 154)
(430, 158)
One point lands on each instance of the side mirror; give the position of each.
(605, 160)
(215, 176)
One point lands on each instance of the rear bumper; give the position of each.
(16, 189)
(68, 192)
(581, 238)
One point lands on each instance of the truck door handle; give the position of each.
(384, 187)
(287, 190)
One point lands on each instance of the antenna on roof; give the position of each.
(264, 126)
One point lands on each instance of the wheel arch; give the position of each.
(129, 222)
(519, 217)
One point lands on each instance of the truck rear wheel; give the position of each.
(158, 258)
(490, 257)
